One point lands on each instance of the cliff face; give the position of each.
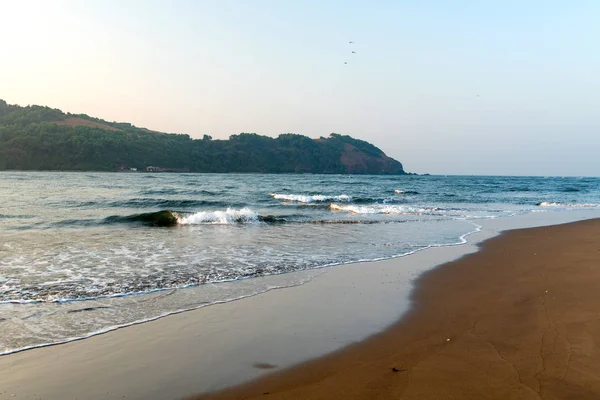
(358, 162)
(41, 138)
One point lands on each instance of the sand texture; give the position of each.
(518, 320)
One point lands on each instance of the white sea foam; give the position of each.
(303, 198)
(227, 217)
(552, 204)
(111, 328)
(377, 209)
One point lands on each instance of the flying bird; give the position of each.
(351, 42)
(353, 52)
(345, 62)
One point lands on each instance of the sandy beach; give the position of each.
(511, 321)
(517, 320)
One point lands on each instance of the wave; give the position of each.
(143, 203)
(581, 205)
(177, 191)
(231, 216)
(398, 191)
(164, 218)
(317, 198)
(165, 203)
(227, 217)
(379, 209)
(407, 210)
(273, 219)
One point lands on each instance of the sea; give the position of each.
(86, 253)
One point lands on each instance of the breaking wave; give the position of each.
(317, 198)
(227, 217)
(552, 204)
(396, 209)
(230, 216)
(168, 218)
(378, 209)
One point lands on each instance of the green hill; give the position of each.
(42, 138)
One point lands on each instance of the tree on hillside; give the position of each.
(30, 139)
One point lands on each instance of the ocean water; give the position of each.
(84, 253)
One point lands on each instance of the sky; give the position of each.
(445, 87)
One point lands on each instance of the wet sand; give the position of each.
(518, 320)
(227, 344)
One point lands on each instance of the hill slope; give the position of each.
(41, 138)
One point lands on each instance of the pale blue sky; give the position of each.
(447, 87)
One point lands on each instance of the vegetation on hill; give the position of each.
(42, 138)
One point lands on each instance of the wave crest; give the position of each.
(159, 218)
(553, 204)
(227, 217)
(377, 209)
(399, 191)
(317, 198)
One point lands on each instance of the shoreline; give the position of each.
(516, 319)
(217, 173)
(179, 339)
(308, 274)
(311, 273)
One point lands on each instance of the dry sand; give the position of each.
(518, 320)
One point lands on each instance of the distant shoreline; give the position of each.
(215, 173)
(80, 142)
